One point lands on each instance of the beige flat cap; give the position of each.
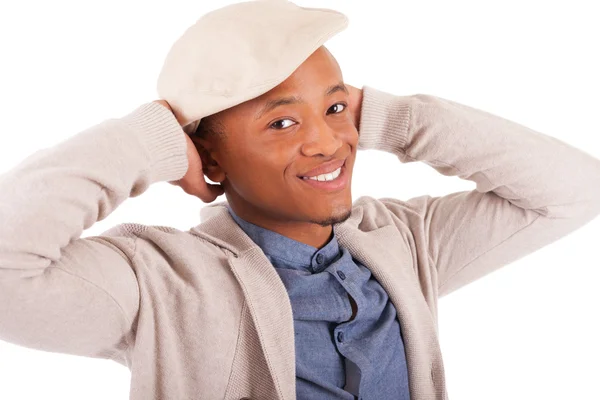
(238, 52)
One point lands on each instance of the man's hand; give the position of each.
(355, 101)
(193, 181)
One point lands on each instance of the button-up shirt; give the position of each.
(336, 357)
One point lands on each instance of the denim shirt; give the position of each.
(336, 358)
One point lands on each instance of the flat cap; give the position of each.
(238, 52)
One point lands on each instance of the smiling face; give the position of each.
(273, 140)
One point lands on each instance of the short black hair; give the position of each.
(210, 126)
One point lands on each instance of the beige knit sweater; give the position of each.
(202, 314)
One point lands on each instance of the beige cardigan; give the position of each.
(202, 314)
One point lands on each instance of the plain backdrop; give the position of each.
(527, 331)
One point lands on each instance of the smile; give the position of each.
(333, 181)
(325, 177)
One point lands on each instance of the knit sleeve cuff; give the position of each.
(384, 121)
(164, 140)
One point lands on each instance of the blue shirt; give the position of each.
(336, 358)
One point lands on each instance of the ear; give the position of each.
(209, 157)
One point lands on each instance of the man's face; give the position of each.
(266, 150)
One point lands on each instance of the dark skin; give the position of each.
(258, 160)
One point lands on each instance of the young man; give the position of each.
(288, 289)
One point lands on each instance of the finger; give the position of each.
(209, 192)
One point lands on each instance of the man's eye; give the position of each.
(338, 104)
(276, 125)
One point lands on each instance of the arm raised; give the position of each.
(531, 188)
(60, 292)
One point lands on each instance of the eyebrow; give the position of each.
(274, 103)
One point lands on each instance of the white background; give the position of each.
(527, 331)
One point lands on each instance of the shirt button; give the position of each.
(320, 258)
(340, 336)
(341, 275)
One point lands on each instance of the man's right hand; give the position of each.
(193, 182)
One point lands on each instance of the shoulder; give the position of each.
(373, 213)
(161, 240)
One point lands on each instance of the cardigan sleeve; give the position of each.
(531, 188)
(60, 292)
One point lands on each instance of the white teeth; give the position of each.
(326, 177)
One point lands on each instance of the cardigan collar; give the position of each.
(287, 252)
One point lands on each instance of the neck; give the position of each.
(308, 233)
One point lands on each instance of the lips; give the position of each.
(324, 168)
(332, 186)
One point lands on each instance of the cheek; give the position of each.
(258, 178)
(350, 132)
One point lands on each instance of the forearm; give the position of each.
(530, 169)
(48, 199)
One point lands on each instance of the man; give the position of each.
(288, 289)
(287, 182)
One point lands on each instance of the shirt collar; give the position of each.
(286, 252)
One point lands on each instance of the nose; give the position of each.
(321, 139)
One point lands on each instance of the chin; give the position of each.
(333, 216)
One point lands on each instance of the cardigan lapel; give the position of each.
(263, 290)
(391, 263)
